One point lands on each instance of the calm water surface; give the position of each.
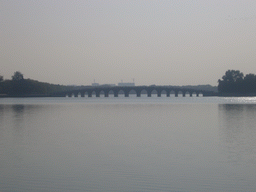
(127, 144)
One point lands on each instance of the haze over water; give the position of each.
(127, 144)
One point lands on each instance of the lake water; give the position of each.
(128, 144)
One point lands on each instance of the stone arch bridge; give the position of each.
(138, 90)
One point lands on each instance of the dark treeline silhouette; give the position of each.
(235, 83)
(18, 86)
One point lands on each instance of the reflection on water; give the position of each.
(127, 146)
(18, 109)
(18, 118)
(238, 131)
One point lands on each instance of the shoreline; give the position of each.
(43, 95)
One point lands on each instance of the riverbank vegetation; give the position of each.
(19, 86)
(234, 83)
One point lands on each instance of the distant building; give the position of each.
(126, 84)
(108, 85)
(102, 85)
(95, 84)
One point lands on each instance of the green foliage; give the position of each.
(235, 82)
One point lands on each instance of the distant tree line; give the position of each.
(234, 82)
(18, 86)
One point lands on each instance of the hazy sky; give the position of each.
(162, 42)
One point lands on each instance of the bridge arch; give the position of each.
(71, 95)
(163, 93)
(136, 91)
(172, 93)
(93, 94)
(85, 94)
(193, 94)
(186, 94)
(153, 93)
(179, 93)
(143, 93)
(79, 94)
(132, 93)
(121, 93)
(110, 93)
(102, 93)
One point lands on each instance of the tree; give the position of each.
(249, 84)
(1, 84)
(17, 76)
(232, 82)
(250, 78)
(233, 76)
